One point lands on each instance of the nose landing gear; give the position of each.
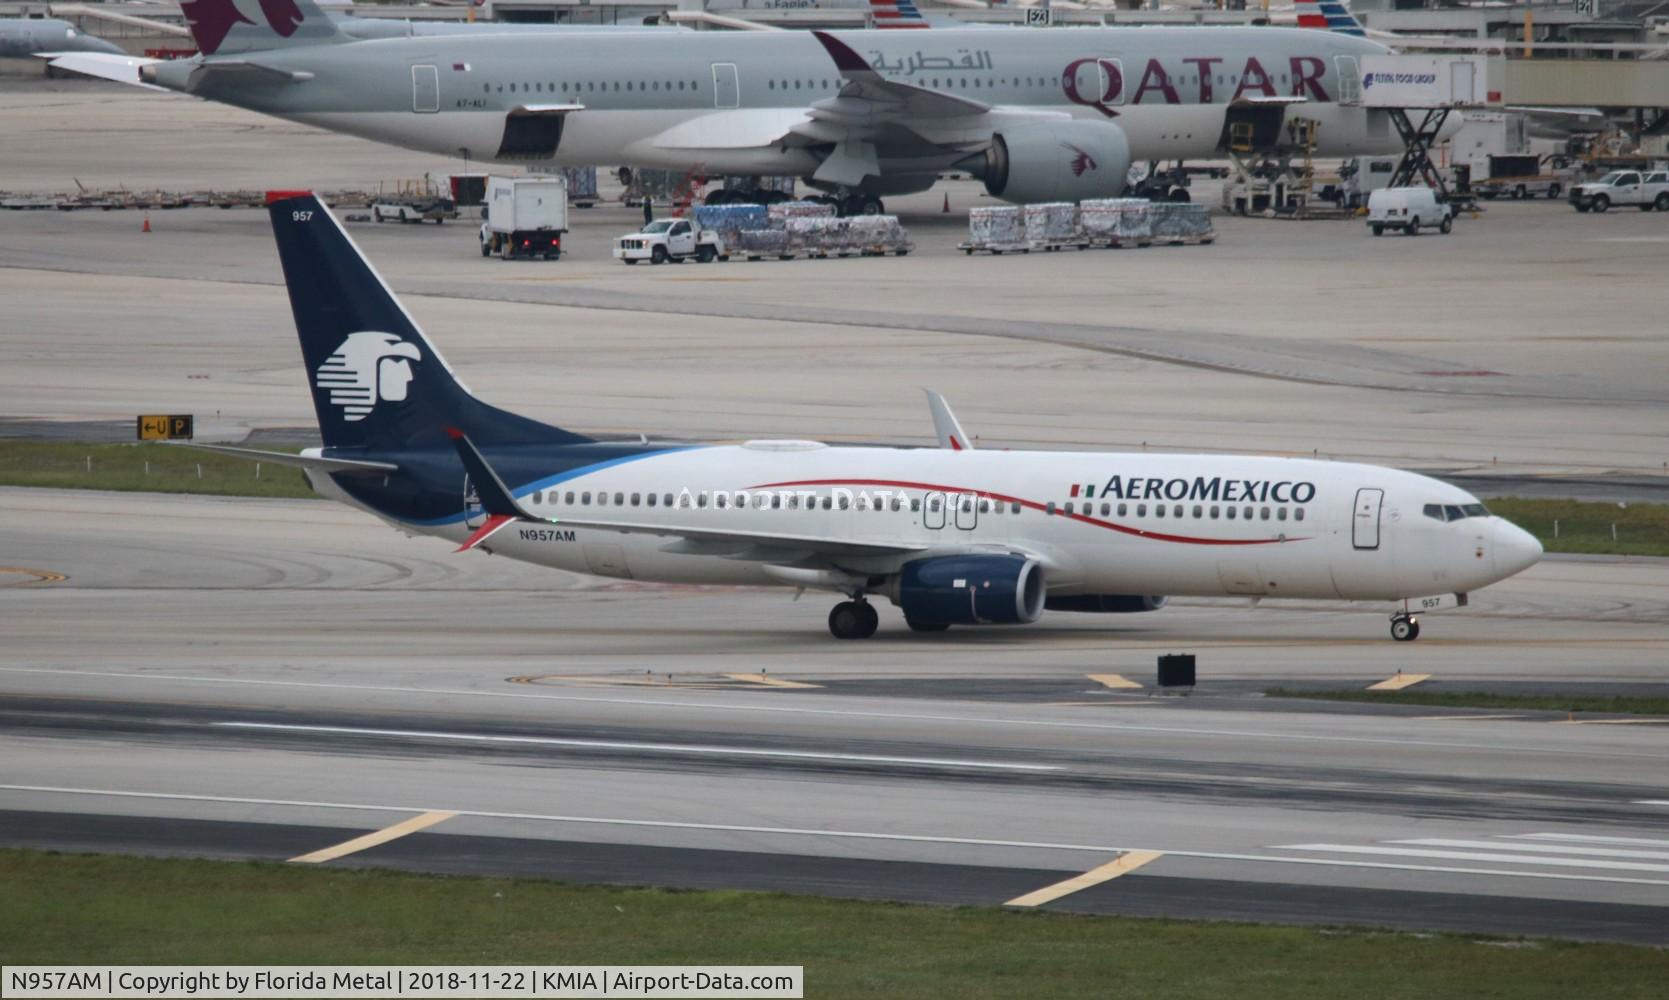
(1405, 627)
(855, 619)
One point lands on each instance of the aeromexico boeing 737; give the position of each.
(952, 536)
(1040, 115)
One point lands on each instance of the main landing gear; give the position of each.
(855, 619)
(1405, 627)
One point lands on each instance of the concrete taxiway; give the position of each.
(272, 679)
(269, 679)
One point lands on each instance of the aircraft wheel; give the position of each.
(853, 620)
(1405, 629)
(920, 626)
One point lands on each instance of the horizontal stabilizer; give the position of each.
(103, 66)
(315, 463)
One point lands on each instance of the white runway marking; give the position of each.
(833, 834)
(1588, 838)
(1498, 858)
(670, 748)
(1496, 845)
(1651, 802)
(849, 713)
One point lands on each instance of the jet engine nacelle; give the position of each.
(971, 590)
(1106, 604)
(1057, 161)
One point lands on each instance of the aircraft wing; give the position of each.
(873, 116)
(502, 510)
(104, 66)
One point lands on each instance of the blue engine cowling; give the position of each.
(971, 590)
(1105, 604)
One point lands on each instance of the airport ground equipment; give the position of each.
(1524, 176)
(1097, 222)
(1176, 670)
(418, 201)
(526, 217)
(1645, 190)
(675, 240)
(1409, 209)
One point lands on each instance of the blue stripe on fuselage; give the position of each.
(546, 482)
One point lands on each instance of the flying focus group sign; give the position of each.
(1424, 81)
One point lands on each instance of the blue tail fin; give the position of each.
(1330, 15)
(377, 382)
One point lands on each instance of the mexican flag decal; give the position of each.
(1086, 490)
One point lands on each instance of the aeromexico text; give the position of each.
(1216, 489)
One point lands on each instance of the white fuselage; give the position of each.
(1139, 524)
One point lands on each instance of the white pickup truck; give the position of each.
(1646, 189)
(669, 239)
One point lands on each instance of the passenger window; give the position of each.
(585, 498)
(1158, 510)
(985, 506)
(845, 503)
(666, 499)
(827, 503)
(1199, 511)
(620, 499)
(1230, 512)
(568, 497)
(1214, 511)
(1298, 515)
(915, 505)
(1280, 513)
(933, 505)
(1069, 506)
(1141, 510)
(1177, 510)
(1050, 508)
(651, 499)
(1266, 513)
(719, 501)
(1248, 513)
(1123, 509)
(701, 500)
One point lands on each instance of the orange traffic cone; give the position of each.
(147, 226)
(947, 203)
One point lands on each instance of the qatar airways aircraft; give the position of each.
(951, 536)
(1040, 115)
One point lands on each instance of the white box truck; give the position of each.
(526, 217)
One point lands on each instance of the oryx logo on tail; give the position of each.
(212, 20)
(367, 368)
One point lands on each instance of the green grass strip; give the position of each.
(1615, 704)
(159, 468)
(121, 910)
(1642, 529)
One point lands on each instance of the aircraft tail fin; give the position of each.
(378, 384)
(223, 27)
(1329, 15)
(896, 14)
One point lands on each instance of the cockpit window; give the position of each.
(1454, 512)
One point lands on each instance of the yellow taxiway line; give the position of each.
(1399, 681)
(1116, 681)
(383, 836)
(1122, 865)
(768, 681)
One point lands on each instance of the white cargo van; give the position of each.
(1409, 209)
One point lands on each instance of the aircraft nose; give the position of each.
(1516, 550)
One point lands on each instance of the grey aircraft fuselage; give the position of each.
(22, 37)
(728, 102)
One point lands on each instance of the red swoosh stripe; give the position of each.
(488, 528)
(1157, 536)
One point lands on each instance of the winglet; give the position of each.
(496, 498)
(845, 59)
(945, 424)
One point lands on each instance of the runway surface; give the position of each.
(241, 678)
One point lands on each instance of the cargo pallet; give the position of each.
(1203, 239)
(996, 249)
(1053, 246)
(1120, 242)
